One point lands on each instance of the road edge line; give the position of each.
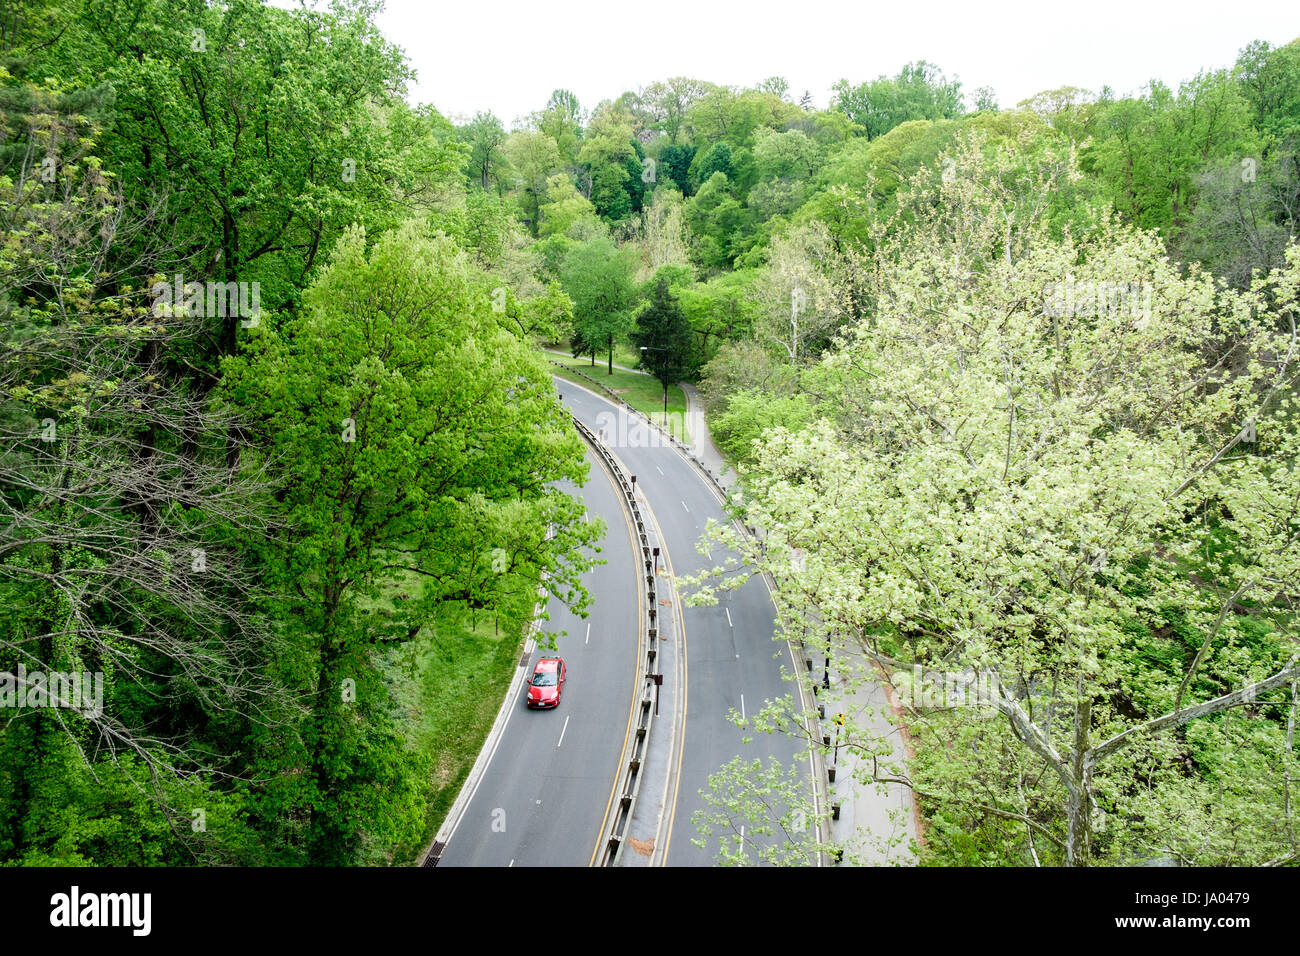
(490, 744)
(816, 767)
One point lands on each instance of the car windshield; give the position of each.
(546, 679)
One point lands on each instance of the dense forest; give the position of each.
(1012, 388)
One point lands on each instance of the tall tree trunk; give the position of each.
(329, 843)
(1079, 839)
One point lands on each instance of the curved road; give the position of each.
(545, 794)
(542, 799)
(731, 658)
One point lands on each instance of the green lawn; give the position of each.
(624, 354)
(641, 391)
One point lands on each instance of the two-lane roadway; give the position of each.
(732, 661)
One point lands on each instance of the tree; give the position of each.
(745, 801)
(1270, 79)
(714, 218)
(716, 160)
(563, 207)
(721, 309)
(1068, 108)
(608, 155)
(986, 98)
(750, 413)
(535, 158)
(670, 101)
(246, 202)
(786, 155)
(744, 365)
(599, 277)
(1247, 213)
(919, 91)
(486, 137)
(663, 230)
(1147, 150)
(662, 330)
(805, 292)
(776, 85)
(1053, 468)
(732, 115)
(122, 553)
(562, 121)
(674, 164)
(402, 466)
(544, 317)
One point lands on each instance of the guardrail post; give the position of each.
(632, 772)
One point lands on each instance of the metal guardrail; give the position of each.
(638, 740)
(667, 433)
(812, 715)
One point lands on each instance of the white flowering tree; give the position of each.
(1049, 459)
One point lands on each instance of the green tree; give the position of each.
(535, 158)
(919, 91)
(562, 121)
(986, 99)
(674, 166)
(1247, 214)
(121, 553)
(670, 101)
(201, 117)
(1270, 79)
(563, 207)
(732, 115)
(1147, 150)
(486, 137)
(750, 413)
(789, 155)
(610, 158)
(714, 218)
(745, 801)
(1069, 109)
(599, 278)
(665, 335)
(663, 230)
(717, 159)
(721, 309)
(1022, 479)
(401, 464)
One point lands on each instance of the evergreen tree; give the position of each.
(664, 333)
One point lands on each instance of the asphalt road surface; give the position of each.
(732, 660)
(544, 795)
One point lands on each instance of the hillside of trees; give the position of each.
(1011, 386)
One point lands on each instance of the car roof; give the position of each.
(548, 664)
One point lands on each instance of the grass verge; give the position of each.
(643, 392)
(447, 686)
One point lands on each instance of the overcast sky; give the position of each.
(508, 56)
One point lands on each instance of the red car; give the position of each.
(547, 683)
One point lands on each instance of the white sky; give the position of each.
(507, 56)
